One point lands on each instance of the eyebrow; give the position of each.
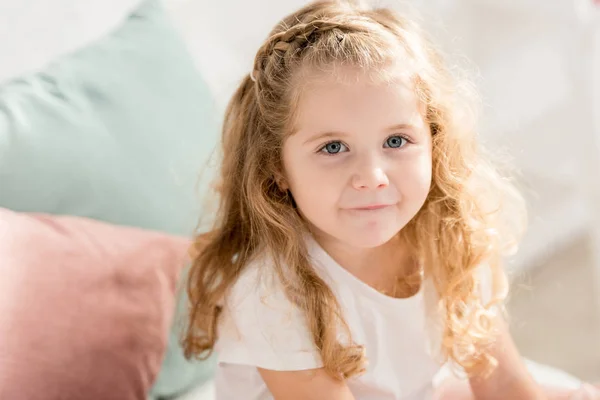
(336, 134)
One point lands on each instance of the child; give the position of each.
(360, 230)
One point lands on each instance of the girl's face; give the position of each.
(359, 161)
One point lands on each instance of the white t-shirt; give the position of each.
(261, 328)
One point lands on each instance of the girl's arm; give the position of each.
(510, 379)
(314, 384)
(453, 389)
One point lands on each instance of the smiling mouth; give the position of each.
(371, 207)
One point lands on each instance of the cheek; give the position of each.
(313, 187)
(414, 178)
(311, 184)
(426, 172)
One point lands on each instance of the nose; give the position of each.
(370, 175)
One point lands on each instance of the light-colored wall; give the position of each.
(34, 32)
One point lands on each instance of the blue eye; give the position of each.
(333, 147)
(395, 142)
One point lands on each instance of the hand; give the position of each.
(586, 392)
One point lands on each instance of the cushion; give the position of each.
(85, 307)
(118, 131)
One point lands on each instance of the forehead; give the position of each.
(348, 98)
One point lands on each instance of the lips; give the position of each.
(370, 207)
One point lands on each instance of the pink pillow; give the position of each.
(85, 307)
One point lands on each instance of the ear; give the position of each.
(283, 186)
(281, 182)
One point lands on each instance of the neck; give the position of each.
(392, 259)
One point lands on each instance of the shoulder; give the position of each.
(258, 293)
(259, 325)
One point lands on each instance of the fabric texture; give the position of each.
(120, 131)
(261, 328)
(85, 307)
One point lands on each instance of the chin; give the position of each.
(372, 239)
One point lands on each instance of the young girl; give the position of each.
(361, 229)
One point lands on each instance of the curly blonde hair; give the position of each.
(464, 223)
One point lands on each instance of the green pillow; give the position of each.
(118, 132)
